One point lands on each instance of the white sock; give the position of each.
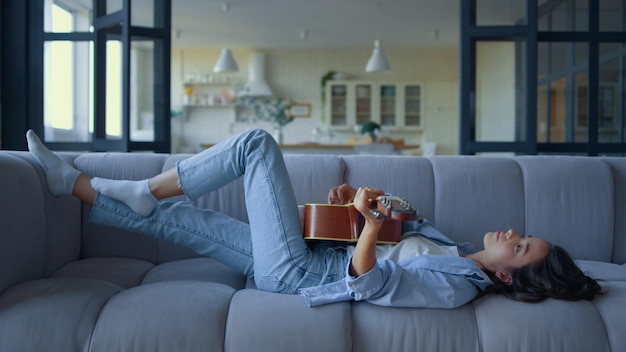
(60, 176)
(135, 194)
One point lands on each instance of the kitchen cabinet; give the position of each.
(393, 105)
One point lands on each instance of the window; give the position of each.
(565, 78)
(99, 77)
(68, 80)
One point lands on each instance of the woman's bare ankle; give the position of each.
(165, 185)
(83, 190)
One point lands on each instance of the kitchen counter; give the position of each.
(369, 148)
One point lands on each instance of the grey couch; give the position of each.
(68, 285)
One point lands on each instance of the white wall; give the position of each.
(297, 73)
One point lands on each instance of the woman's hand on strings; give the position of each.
(342, 194)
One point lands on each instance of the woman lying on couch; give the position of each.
(425, 269)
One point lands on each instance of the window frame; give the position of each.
(529, 34)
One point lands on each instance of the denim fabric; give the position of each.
(282, 260)
(207, 232)
(427, 281)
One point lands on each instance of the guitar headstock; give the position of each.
(396, 208)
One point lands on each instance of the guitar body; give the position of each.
(344, 223)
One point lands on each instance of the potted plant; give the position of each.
(372, 129)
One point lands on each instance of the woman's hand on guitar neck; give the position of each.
(363, 203)
(364, 256)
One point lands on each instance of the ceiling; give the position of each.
(315, 24)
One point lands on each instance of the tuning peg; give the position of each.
(377, 214)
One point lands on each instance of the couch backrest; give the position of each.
(22, 232)
(618, 169)
(39, 233)
(574, 202)
(578, 203)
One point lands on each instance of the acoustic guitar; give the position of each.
(343, 222)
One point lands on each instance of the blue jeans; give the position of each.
(282, 261)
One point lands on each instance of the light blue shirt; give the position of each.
(429, 281)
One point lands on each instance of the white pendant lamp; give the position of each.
(377, 62)
(226, 62)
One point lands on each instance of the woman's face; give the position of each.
(505, 251)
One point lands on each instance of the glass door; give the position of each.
(363, 103)
(388, 105)
(338, 105)
(412, 105)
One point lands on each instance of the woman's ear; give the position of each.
(504, 277)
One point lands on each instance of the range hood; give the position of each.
(256, 85)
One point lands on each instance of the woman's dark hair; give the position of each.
(556, 276)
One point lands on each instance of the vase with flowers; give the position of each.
(274, 110)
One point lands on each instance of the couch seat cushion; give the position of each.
(52, 314)
(551, 325)
(376, 328)
(611, 308)
(196, 269)
(165, 316)
(264, 321)
(124, 272)
(602, 271)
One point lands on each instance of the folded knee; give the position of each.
(274, 284)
